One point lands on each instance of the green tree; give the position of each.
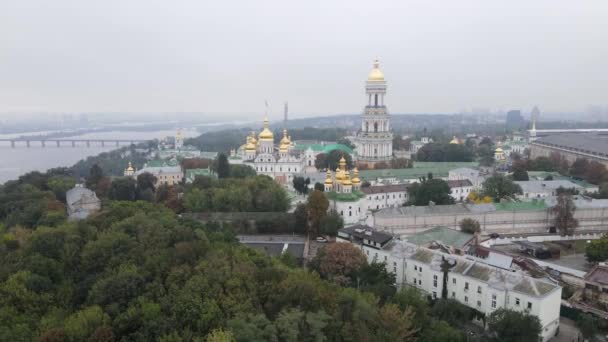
(376, 279)
(519, 172)
(223, 167)
(588, 325)
(499, 186)
(331, 223)
(241, 171)
(564, 214)
(470, 226)
(316, 205)
(83, 323)
(123, 189)
(332, 160)
(514, 326)
(441, 331)
(435, 190)
(220, 335)
(410, 297)
(59, 185)
(452, 311)
(95, 175)
(301, 218)
(579, 168)
(396, 325)
(145, 181)
(319, 186)
(597, 250)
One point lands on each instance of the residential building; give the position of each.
(469, 280)
(464, 173)
(165, 173)
(385, 196)
(545, 188)
(460, 188)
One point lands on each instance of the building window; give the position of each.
(394, 269)
(478, 289)
(493, 297)
(529, 306)
(434, 281)
(479, 303)
(414, 281)
(453, 294)
(516, 301)
(454, 281)
(466, 299)
(466, 286)
(434, 295)
(420, 283)
(415, 268)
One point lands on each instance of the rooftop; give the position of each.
(547, 185)
(377, 189)
(444, 235)
(474, 268)
(360, 232)
(420, 169)
(459, 183)
(592, 143)
(599, 274)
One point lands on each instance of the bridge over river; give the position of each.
(42, 142)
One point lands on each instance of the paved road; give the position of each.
(568, 332)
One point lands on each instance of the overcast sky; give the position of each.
(231, 56)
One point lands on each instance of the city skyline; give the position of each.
(229, 58)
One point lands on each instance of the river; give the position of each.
(20, 160)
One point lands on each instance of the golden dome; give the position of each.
(266, 134)
(342, 163)
(328, 180)
(285, 140)
(347, 180)
(253, 139)
(498, 150)
(338, 174)
(250, 145)
(130, 167)
(376, 74)
(455, 141)
(356, 179)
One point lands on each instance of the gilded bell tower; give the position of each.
(375, 139)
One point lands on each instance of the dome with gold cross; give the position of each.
(376, 74)
(266, 133)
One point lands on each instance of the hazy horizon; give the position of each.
(227, 58)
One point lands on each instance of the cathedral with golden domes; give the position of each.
(280, 161)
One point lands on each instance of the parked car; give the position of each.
(321, 239)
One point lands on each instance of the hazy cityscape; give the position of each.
(275, 171)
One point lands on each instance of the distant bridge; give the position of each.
(42, 142)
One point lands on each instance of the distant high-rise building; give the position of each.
(515, 120)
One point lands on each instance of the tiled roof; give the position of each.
(370, 190)
(459, 183)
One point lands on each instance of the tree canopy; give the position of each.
(499, 186)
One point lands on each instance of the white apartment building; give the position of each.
(465, 173)
(469, 281)
(460, 189)
(385, 196)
